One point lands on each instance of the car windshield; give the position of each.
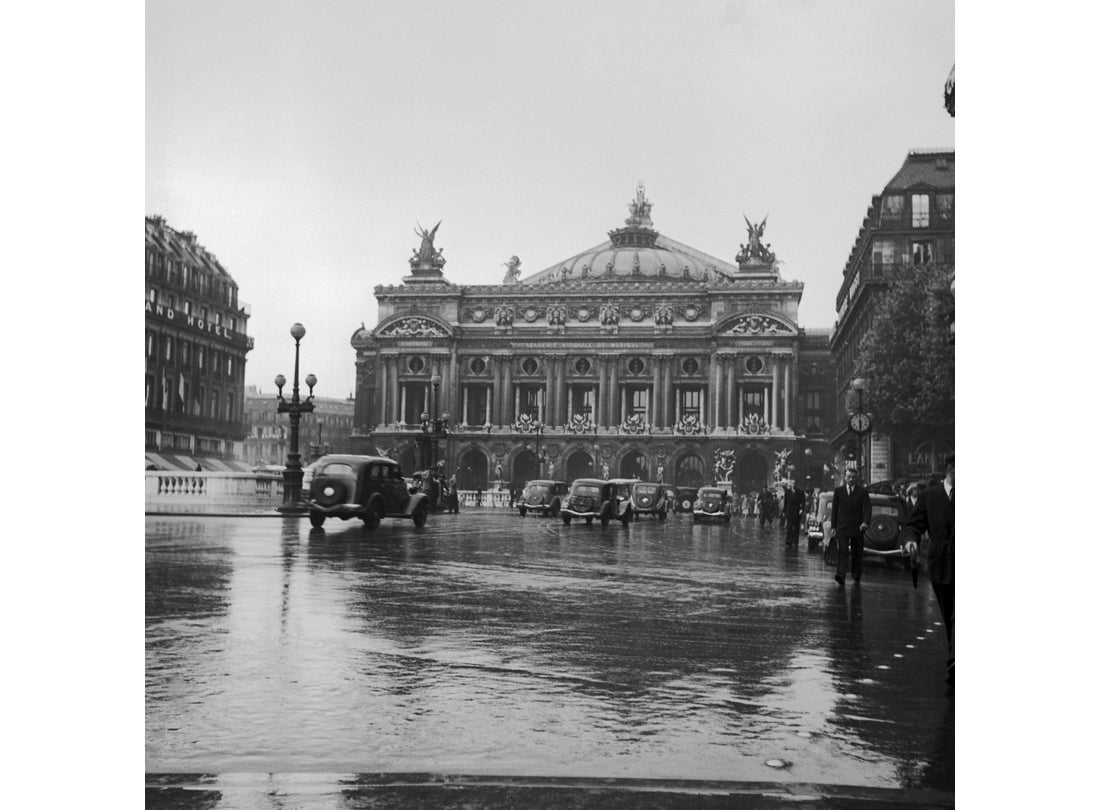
(645, 489)
(586, 489)
(337, 469)
(538, 489)
(710, 493)
(884, 509)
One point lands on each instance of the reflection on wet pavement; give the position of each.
(487, 644)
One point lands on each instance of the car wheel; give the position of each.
(316, 519)
(420, 515)
(831, 552)
(373, 517)
(882, 531)
(685, 505)
(522, 511)
(566, 518)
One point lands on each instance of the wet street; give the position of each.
(488, 644)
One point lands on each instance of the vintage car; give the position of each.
(648, 499)
(542, 497)
(685, 497)
(366, 487)
(591, 498)
(712, 503)
(882, 536)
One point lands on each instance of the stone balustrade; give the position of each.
(165, 488)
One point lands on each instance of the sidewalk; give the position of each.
(423, 791)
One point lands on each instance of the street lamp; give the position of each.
(432, 428)
(292, 475)
(539, 458)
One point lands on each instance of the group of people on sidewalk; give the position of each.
(930, 511)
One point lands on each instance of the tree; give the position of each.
(908, 356)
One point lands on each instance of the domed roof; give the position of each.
(636, 252)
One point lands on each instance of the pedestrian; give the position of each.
(452, 485)
(744, 504)
(477, 496)
(934, 513)
(794, 504)
(851, 516)
(780, 502)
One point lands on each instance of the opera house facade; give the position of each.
(639, 357)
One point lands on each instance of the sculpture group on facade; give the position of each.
(782, 463)
(724, 463)
(689, 425)
(634, 425)
(754, 425)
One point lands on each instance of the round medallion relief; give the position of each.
(583, 314)
(636, 313)
(416, 364)
(691, 366)
(754, 365)
(479, 314)
(530, 365)
(691, 312)
(477, 365)
(530, 314)
(582, 366)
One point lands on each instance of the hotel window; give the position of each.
(149, 390)
(229, 412)
(945, 207)
(922, 252)
(171, 301)
(205, 314)
(186, 307)
(920, 211)
(217, 319)
(893, 208)
(229, 367)
(233, 324)
(200, 399)
(150, 344)
(202, 357)
(217, 362)
(152, 295)
(214, 403)
(167, 349)
(185, 353)
(883, 252)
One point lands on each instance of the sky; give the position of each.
(304, 142)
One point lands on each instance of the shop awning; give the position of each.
(161, 462)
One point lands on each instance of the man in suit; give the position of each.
(851, 516)
(935, 513)
(794, 504)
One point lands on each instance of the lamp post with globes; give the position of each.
(433, 428)
(539, 457)
(292, 475)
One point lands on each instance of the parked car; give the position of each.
(685, 497)
(366, 487)
(711, 503)
(881, 539)
(542, 497)
(649, 499)
(590, 498)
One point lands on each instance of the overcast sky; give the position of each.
(304, 141)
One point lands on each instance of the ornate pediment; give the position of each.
(412, 327)
(757, 325)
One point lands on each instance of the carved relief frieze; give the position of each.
(412, 328)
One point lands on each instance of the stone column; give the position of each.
(731, 391)
(787, 393)
(775, 391)
(507, 397)
(716, 393)
(613, 399)
(549, 399)
(383, 405)
(404, 402)
(798, 415)
(654, 399)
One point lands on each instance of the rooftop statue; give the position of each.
(427, 255)
(640, 208)
(756, 249)
(512, 275)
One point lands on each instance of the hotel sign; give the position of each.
(159, 312)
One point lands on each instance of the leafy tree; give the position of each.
(908, 356)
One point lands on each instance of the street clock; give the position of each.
(859, 423)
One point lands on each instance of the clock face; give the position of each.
(859, 422)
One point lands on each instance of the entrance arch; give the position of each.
(473, 470)
(690, 471)
(634, 465)
(752, 473)
(580, 464)
(525, 468)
